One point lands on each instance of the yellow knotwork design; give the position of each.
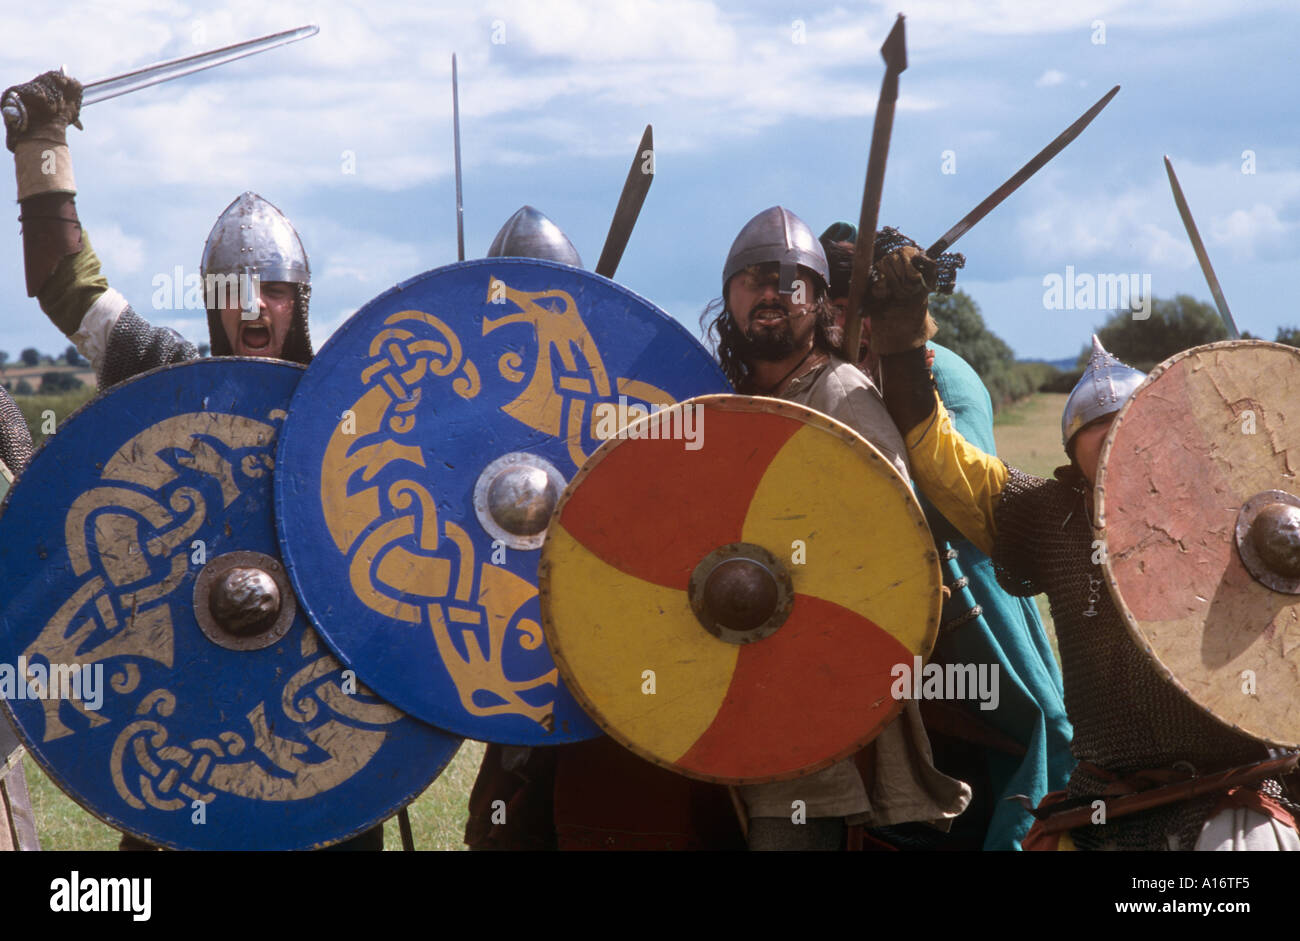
(407, 564)
(559, 402)
(257, 763)
(130, 545)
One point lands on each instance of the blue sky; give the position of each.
(753, 104)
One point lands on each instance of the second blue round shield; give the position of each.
(129, 660)
(430, 439)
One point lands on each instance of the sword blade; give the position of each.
(894, 52)
(1024, 173)
(455, 123)
(128, 82)
(1199, 247)
(635, 187)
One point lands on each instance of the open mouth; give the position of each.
(255, 337)
(768, 316)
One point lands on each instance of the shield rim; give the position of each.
(47, 768)
(1131, 623)
(348, 658)
(765, 405)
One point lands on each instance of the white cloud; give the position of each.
(1251, 231)
(118, 251)
(1049, 78)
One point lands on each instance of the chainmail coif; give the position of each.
(1127, 718)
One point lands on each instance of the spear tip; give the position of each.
(894, 50)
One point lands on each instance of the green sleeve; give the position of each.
(75, 285)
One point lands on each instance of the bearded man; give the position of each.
(1131, 726)
(1022, 747)
(772, 332)
(255, 273)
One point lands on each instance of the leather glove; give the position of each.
(37, 115)
(901, 283)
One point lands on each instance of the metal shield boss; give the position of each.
(1199, 507)
(432, 437)
(737, 609)
(152, 653)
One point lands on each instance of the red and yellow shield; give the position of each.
(730, 584)
(1199, 505)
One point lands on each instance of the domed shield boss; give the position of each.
(1199, 505)
(432, 437)
(735, 607)
(152, 653)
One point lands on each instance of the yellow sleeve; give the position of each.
(960, 480)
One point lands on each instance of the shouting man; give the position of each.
(255, 274)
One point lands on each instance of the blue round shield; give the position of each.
(152, 653)
(431, 438)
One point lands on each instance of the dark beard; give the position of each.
(770, 344)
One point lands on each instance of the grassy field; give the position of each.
(437, 816)
(1028, 437)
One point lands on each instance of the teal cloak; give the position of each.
(1006, 631)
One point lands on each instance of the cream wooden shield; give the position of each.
(1199, 508)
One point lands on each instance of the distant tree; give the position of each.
(204, 349)
(1174, 325)
(73, 357)
(4, 358)
(30, 356)
(56, 381)
(1288, 335)
(962, 330)
(23, 388)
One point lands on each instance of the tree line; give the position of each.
(1175, 324)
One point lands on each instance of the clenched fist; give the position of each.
(43, 107)
(901, 283)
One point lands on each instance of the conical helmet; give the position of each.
(777, 235)
(252, 237)
(529, 234)
(1103, 388)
